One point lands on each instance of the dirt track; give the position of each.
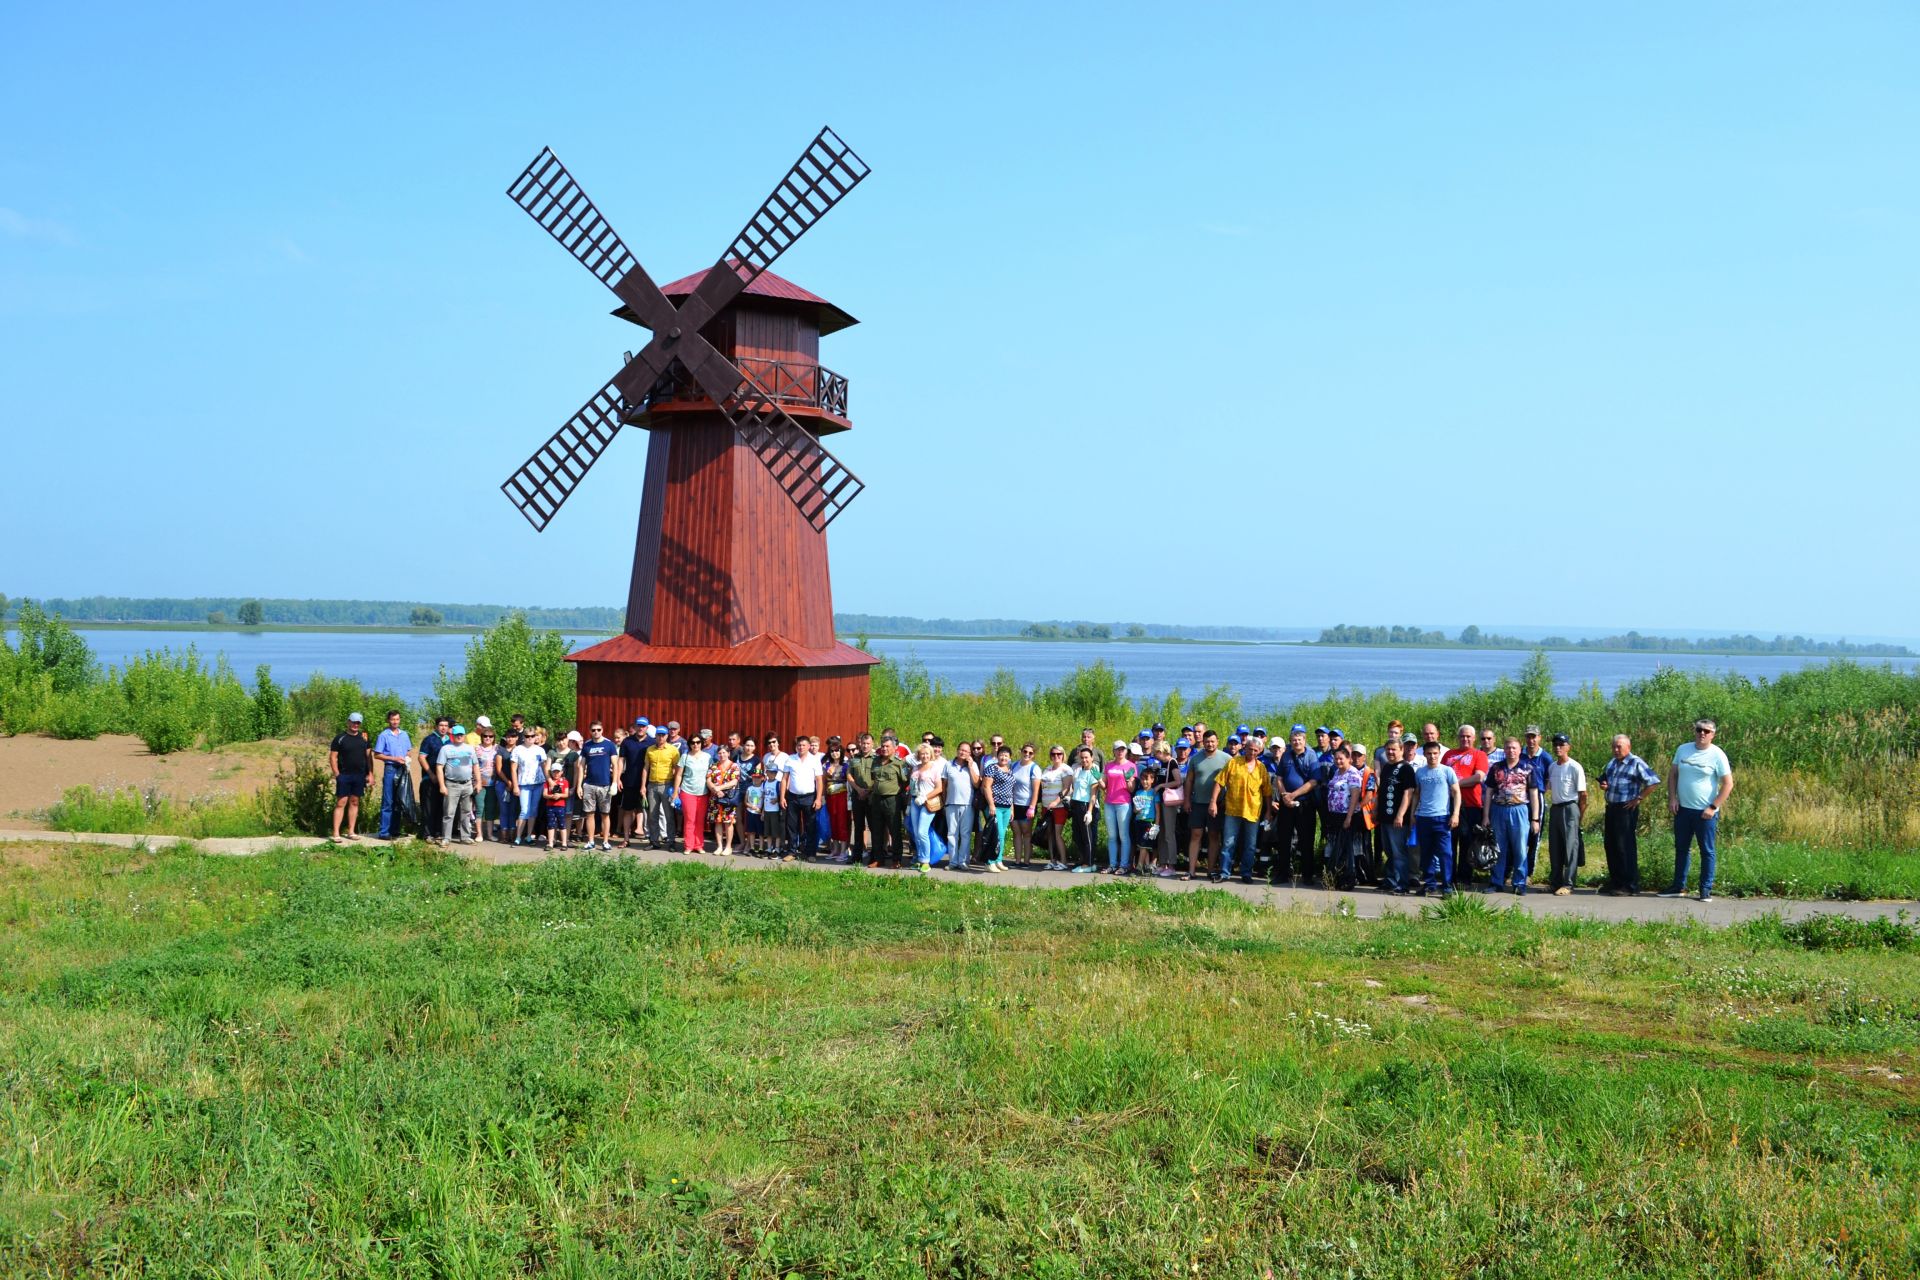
(34, 771)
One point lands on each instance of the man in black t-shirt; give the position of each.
(432, 799)
(1395, 783)
(349, 759)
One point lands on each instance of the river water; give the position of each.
(1265, 676)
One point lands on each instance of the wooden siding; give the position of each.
(748, 700)
(728, 556)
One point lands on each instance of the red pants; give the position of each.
(693, 822)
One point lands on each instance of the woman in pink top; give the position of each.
(1117, 779)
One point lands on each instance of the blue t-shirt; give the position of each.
(392, 742)
(1144, 805)
(1436, 785)
(1697, 773)
(598, 758)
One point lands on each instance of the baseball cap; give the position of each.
(706, 733)
(642, 723)
(673, 724)
(459, 728)
(355, 718)
(1144, 733)
(1299, 728)
(1242, 730)
(1323, 729)
(1259, 731)
(1408, 739)
(1559, 738)
(573, 735)
(1119, 744)
(1335, 733)
(1533, 731)
(659, 731)
(1158, 727)
(484, 723)
(1182, 744)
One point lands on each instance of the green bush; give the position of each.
(320, 707)
(512, 669)
(270, 714)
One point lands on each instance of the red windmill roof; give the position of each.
(763, 650)
(768, 285)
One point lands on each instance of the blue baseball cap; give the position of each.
(1299, 728)
(1243, 731)
(459, 728)
(1182, 744)
(1259, 731)
(1335, 733)
(1323, 729)
(641, 723)
(1144, 733)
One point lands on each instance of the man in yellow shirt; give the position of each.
(1244, 791)
(661, 758)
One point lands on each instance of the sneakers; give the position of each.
(1562, 891)
(924, 869)
(995, 867)
(1706, 897)
(1671, 893)
(1085, 870)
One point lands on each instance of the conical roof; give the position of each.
(778, 288)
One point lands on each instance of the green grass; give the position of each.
(385, 1064)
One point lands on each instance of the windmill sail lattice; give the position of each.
(818, 483)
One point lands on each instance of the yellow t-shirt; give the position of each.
(1247, 786)
(660, 762)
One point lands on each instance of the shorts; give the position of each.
(350, 784)
(557, 816)
(633, 797)
(594, 799)
(1058, 815)
(1200, 820)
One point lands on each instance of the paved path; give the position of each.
(1365, 902)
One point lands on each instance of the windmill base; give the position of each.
(752, 701)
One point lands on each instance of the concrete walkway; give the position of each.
(1365, 903)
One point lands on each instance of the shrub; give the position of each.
(269, 704)
(300, 798)
(230, 710)
(511, 668)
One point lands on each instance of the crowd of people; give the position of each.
(1414, 815)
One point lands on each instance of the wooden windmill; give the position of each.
(729, 609)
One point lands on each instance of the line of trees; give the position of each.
(1473, 637)
(326, 613)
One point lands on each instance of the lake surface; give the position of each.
(1264, 676)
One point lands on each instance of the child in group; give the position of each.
(1146, 811)
(557, 794)
(756, 799)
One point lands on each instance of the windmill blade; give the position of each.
(554, 200)
(819, 483)
(818, 180)
(549, 477)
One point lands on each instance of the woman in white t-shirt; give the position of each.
(927, 787)
(1055, 781)
(530, 772)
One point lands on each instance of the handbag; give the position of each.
(934, 803)
(1175, 796)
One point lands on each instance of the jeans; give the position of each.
(1623, 848)
(1435, 836)
(960, 834)
(1239, 845)
(1119, 835)
(659, 813)
(508, 802)
(1002, 819)
(390, 780)
(1398, 877)
(458, 810)
(1688, 825)
(803, 833)
(1511, 825)
(922, 823)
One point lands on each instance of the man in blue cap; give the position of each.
(633, 778)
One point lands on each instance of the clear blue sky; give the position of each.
(1637, 285)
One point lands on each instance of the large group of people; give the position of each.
(1414, 815)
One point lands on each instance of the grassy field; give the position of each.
(378, 1064)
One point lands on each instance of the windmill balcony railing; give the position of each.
(792, 383)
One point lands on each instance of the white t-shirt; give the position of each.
(530, 766)
(803, 775)
(1566, 781)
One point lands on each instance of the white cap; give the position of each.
(483, 722)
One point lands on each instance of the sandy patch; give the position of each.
(34, 771)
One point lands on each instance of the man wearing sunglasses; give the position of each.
(1699, 783)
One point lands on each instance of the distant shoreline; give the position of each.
(447, 629)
